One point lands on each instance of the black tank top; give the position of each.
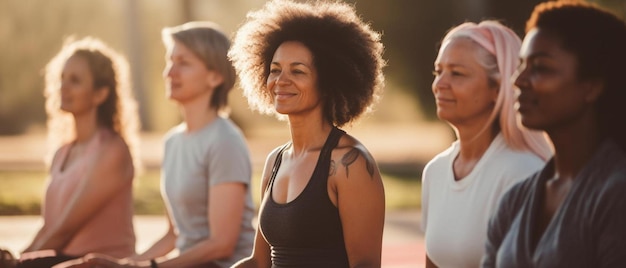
(305, 232)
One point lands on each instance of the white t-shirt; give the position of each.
(455, 214)
(194, 162)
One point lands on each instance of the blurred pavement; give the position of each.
(403, 245)
(404, 147)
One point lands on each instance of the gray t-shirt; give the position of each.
(588, 229)
(194, 162)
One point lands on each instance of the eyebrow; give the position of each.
(450, 65)
(540, 54)
(178, 56)
(292, 64)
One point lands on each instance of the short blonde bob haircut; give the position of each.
(206, 41)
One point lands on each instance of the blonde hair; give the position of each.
(206, 41)
(117, 113)
(499, 55)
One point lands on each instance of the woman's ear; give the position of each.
(101, 94)
(494, 89)
(594, 90)
(214, 79)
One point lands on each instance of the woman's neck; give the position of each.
(308, 133)
(474, 141)
(86, 126)
(473, 145)
(198, 114)
(574, 146)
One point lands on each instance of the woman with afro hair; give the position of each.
(319, 66)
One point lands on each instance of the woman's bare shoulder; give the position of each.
(113, 146)
(350, 152)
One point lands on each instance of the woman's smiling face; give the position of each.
(551, 94)
(292, 80)
(461, 85)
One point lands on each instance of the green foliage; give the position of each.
(617, 6)
(147, 194)
(402, 192)
(22, 191)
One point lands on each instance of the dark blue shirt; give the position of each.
(587, 230)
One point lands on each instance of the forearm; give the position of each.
(203, 252)
(246, 263)
(161, 248)
(429, 263)
(367, 265)
(53, 238)
(36, 240)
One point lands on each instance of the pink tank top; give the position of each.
(110, 230)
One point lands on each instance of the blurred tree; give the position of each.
(618, 6)
(29, 36)
(31, 32)
(413, 29)
(134, 44)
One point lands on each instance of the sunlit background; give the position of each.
(403, 133)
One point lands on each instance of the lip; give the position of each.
(521, 108)
(444, 100)
(174, 85)
(524, 103)
(65, 98)
(281, 95)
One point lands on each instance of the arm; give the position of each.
(110, 171)
(361, 203)
(44, 228)
(260, 257)
(225, 211)
(494, 239)
(162, 247)
(429, 263)
(229, 173)
(36, 239)
(609, 225)
(425, 194)
(498, 226)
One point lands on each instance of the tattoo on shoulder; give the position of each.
(351, 156)
(332, 170)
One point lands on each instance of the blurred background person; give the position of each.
(461, 186)
(319, 66)
(206, 171)
(572, 86)
(92, 127)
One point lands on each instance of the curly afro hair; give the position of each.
(347, 55)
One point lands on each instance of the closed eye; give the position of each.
(454, 73)
(540, 69)
(274, 71)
